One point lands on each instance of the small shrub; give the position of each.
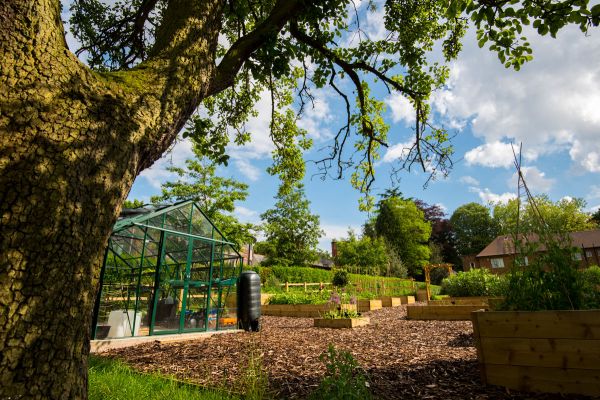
(476, 282)
(299, 298)
(340, 278)
(344, 378)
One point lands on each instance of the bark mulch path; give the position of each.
(403, 359)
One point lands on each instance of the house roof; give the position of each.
(504, 245)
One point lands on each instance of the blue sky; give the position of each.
(552, 106)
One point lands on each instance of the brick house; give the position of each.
(499, 255)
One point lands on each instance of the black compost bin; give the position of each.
(248, 301)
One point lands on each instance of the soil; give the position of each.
(403, 359)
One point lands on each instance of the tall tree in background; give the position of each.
(292, 232)
(73, 137)
(442, 235)
(474, 228)
(215, 195)
(564, 215)
(403, 226)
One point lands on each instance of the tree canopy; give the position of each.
(292, 232)
(474, 228)
(287, 47)
(405, 229)
(564, 215)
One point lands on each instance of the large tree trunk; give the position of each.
(71, 143)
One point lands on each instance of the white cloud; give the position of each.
(315, 116)
(495, 154)
(245, 212)
(469, 180)
(536, 180)
(551, 105)
(157, 173)
(402, 109)
(397, 151)
(247, 169)
(593, 192)
(487, 196)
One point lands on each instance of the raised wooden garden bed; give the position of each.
(422, 295)
(484, 301)
(407, 299)
(389, 301)
(369, 305)
(441, 312)
(540, 351)
(302, 310)
(340, 323)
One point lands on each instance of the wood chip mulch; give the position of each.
(403, 359)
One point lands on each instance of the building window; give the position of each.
(577, 256)
(472, 264)
(497, 263)
(588, 253)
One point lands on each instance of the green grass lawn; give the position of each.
(113, 380)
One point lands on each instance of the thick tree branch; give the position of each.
(239, 52)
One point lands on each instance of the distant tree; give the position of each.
(564, 215)
(215, 195)
(292, 232)
(442, 235)
(474, 228)
(404, 227)
(596, 217)
(369, 255)
(135, 203)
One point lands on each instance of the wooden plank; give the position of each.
(389, 301)
(407, 299)
(554, 353)
(445, 313)
(541, 324)
(549, 380)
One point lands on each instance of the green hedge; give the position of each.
(364, 285)
(476, 282)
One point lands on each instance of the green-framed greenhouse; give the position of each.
(166, 270)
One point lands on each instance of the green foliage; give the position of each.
(551, 280)
(404, 228)
(566, 215)
(369, 255)
(476, 282)
(255, 380)
(121, 35)
(341, 314)
(344, 379)
(474, 228)
(300, 298)
(110, 379)
(590, 282)
(135, 203)
(292, 231)
(340, 278)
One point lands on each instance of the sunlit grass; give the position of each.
(113, 380)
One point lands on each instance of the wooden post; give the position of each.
(287, 286)
(305, 287)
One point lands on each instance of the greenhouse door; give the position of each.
(182, 285)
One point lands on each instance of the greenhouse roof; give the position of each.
(184, 217)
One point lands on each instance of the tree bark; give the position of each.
(71, 143)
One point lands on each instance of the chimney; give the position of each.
(333, 248)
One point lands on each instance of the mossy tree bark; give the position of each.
(71, 143)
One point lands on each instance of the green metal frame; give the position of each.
(141, 253)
